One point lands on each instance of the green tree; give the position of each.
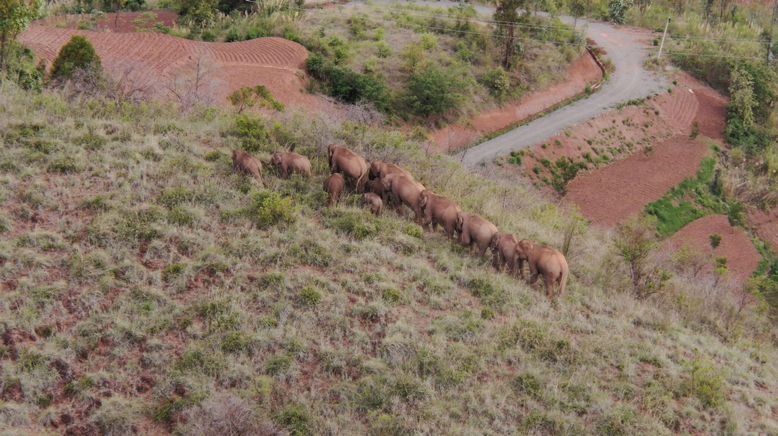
(742, 103)
(433, 91)
(77, 55)
(199, 13)
(506, 15)
(577, 10)
(635, 240)
(617, 10)
(15, 16)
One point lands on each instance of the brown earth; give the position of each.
(736, 246)
(123, 22)
(456, 136)
(611, 194)
(160, 66)
(766, 224)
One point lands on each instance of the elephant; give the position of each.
(334, 186)
(380, 169)
(438, 210)
(404, 190)
(289, 162)
(378, 187)
(503, 247)
(546, 261)
(475, 231)
(374, 201)
(246, 163)
(352, 165)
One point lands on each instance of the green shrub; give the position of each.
(352, 223)
(268, 209)
(497, 82)
(433, 91)
(64, 165)
(253, 133)
(296, 420)
(706, 383)
(310, 297)
(715, 240)
(77, 55)
(278, 364)
(347, 85)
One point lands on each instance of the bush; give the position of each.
(433, 91)
(198, 13)
(497, 82)
(296, 420)
(269, 209)
(715, 240)
(77, 55)
(347, 85)
(706, 383)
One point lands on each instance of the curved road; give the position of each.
(629, 81)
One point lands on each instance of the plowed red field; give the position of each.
(161, 66)
(766, 224)
(613, 193)
(742, 257)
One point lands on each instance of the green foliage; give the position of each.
(715, 240)
(358, 225)
(268, 209)
(253, 133)
(347, 85)
(198, 13)
(310, 297)
(706, 383)
(296, 420)
(77, 55)
(15, 16)
(617, 10)
(690, 200)
(247, 97)
(497, 82)
(433, 91)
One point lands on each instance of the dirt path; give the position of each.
(627, 49)
(455, 137)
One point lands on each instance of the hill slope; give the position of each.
(146, 287)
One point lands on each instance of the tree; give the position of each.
(433, 91)
(643, 5)
(199, 13)
(506, 15)
(635, 240)
(15, 16)
(78, 55)
(741, 90)
(617, 10)
(577, 9)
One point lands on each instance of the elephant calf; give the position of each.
(374, 202)
(438, 210)
(544, 261)
(503, 247)
(334, 186)
(475, 231)
(288, 162)
(245, 163)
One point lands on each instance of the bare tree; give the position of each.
(197, 87)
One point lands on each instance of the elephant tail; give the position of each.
(361, 181)
(563, 280)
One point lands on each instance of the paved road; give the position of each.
(629, 81)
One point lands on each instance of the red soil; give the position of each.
(766, 224)
(157, 65)
(742, 257)
(456, 137)
(123, 22)
(613, 193)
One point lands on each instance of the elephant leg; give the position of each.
(549, 281)
(496, 260)
(482, 249)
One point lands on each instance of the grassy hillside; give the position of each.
(146, 287)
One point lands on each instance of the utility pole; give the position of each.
(664, 35)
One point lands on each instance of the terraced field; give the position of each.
(159, 65)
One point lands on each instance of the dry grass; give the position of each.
(137, 294)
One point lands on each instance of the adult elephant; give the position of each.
(403, 190)
(545, 261)
(380, 169)
(475, 231)
(352, 165)
(289, 162)
(503, 247)
(438, 210)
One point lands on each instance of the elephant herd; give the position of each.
(382, 183)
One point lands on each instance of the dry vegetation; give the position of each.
(146, 287)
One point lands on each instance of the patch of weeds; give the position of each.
(173, 271)
(528, 384)
(541, 423)
(278, 364)
(295, 419)
(91, 141)
(196, 360)
(309, 297)
(311, 253)
(489, 293)
(356, 224)
(181, 216)
(715, 240)
(98, 203)
(706, 383)
(392, 296)
(175, 196)
(64, 165)
(235, 342)
(218, 315)
(414, 230)
(168, 408)
(140, 224)
(268, 209)
(618, 421)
